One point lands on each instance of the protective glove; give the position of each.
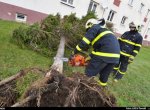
(87, 59)
(71, 56)
(70, 59)
(131, 58)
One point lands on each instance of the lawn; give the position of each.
(133, 89)
(12, 57)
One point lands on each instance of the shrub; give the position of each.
(50, 23)
(20, 36)
(45, 37)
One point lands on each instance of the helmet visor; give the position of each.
(132, 27)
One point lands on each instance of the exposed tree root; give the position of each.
(8, 93)
(20, 74)
(61, 91)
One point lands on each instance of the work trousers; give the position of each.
(121, 68)
(98, 66)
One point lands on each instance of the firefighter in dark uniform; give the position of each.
(130, 44)
(106, 50)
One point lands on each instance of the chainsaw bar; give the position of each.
(63, 59)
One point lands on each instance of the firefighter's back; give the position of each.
(107, 44)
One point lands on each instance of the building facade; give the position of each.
(119, 12)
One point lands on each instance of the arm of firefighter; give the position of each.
(120, 39)
(86, 40)
(137, 47)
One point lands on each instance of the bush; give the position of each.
(50, 23)
(20, 36)
(89, 15)
(45, 37)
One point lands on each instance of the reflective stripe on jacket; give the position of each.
(130, 43)
(105, 44)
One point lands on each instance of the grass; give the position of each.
(131, 91)
(13, 58)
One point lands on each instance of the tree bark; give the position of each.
(14, 77)
(19, 104)
(58, 62)
(18, 75)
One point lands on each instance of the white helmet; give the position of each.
(93, 21)
(90, 23)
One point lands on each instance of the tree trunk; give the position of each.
(58, 62)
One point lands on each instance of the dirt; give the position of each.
(75, 91)
(8, 94)
(59, 91)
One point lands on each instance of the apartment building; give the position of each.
(119, 12)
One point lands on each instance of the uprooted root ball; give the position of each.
(8, 94)
(61, 91)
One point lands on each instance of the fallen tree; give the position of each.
(57, 66)
(57, 90)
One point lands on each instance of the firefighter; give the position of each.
(106, 50)
(130, 44)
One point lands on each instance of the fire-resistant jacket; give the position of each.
(130, 43)
(104, 43)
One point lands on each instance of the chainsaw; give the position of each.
(76, 60)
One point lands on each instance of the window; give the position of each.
(141, 7)
(147, 33)
(123, 19)
(146, 17)
(111, 15)
(141, 28)
(64, 0)
(21, 17)
(68, 2)
(147, 12)
(130, 2)
(92, 7)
